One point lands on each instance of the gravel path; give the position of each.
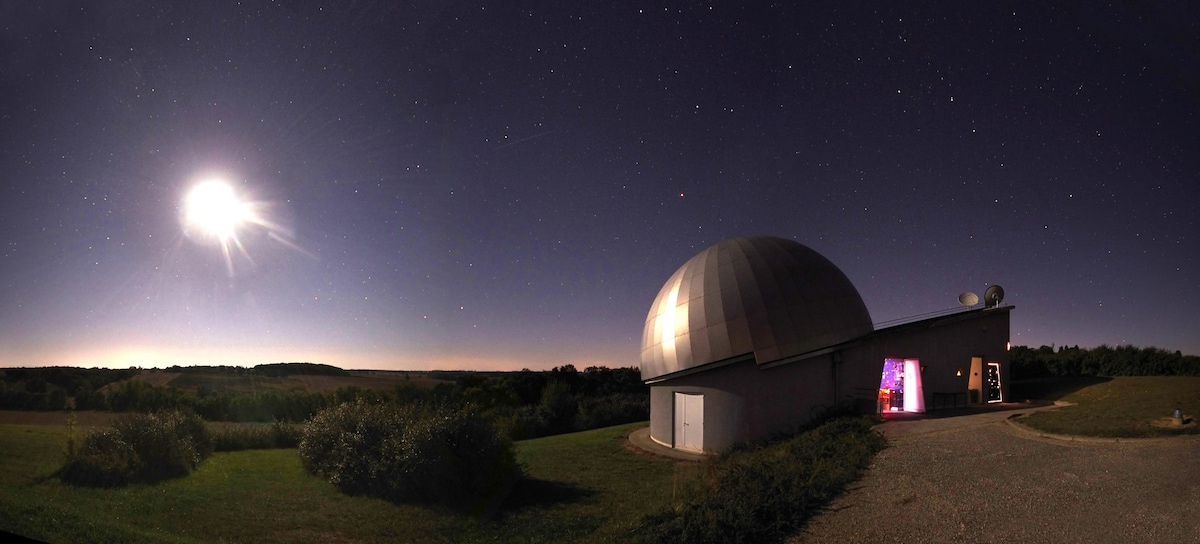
(981, 479)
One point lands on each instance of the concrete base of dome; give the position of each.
(641, 439)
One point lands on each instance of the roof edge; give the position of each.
(702, 368)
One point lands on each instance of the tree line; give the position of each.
(1103, 360)
(523, 404)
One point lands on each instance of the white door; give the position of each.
(689, 421)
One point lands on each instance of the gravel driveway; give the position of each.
(979, 478)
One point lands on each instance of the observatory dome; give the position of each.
(764, 295)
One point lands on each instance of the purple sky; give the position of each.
(505, 185)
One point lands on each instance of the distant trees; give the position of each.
(291, 369)
(565, 400)
(1102, 360)
(56, 400)
(49, 388)
(523, 404)
(269, 370)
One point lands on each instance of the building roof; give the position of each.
(768, 296)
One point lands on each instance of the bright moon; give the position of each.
(213, 210)
(216, 213)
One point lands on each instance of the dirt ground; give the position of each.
(982, 479)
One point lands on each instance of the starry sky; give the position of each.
(498, 185)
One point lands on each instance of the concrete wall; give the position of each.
(743, 402)
(944, 346)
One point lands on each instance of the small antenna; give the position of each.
(993, 296)
(968, 299)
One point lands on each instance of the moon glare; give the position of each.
(216, 213)
(213, 211)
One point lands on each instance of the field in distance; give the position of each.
(250, 383)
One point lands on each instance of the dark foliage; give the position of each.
(56, 400)
(291, 369)
(274, 406)
(1103, 360)
(210, 369)
(22, 400)
(139, 396)
(91, 400)
(69, 378)
(410, 453)
(765, 494)
(47, 388)
(525, 404)
(139, 447)
(35, 385)
(529, 404)
(277, 435)
(614, 409)
(267, 370)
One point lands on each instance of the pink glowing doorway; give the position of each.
(900, 386)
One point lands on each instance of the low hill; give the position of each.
(279, 377)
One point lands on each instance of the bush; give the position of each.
(410, 454)
(765, 494)
(104, 460)
(139, 447)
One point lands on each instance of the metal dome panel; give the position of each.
(764, 295)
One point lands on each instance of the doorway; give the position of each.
(994, 394)
(689, 421)
(900, 386)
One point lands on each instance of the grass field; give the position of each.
(86, 418)
(232, 383)
(1113, 407)
(580, 487)
(366, 379)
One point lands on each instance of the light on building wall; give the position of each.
(1007, 346)
(959, 373)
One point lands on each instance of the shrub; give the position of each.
(139, 447)
(104, 460)
(410, 454)
(765, 494)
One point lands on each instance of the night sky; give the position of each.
(498, 185)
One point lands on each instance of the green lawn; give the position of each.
(1114, 407)
(580, 487)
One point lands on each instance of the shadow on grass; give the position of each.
(1053, 388)
(532, 492)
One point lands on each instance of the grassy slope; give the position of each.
(584, 486)
(1122, 406)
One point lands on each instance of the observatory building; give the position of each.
(759, 335)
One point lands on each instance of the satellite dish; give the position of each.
(993, 296)
(968, 299)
